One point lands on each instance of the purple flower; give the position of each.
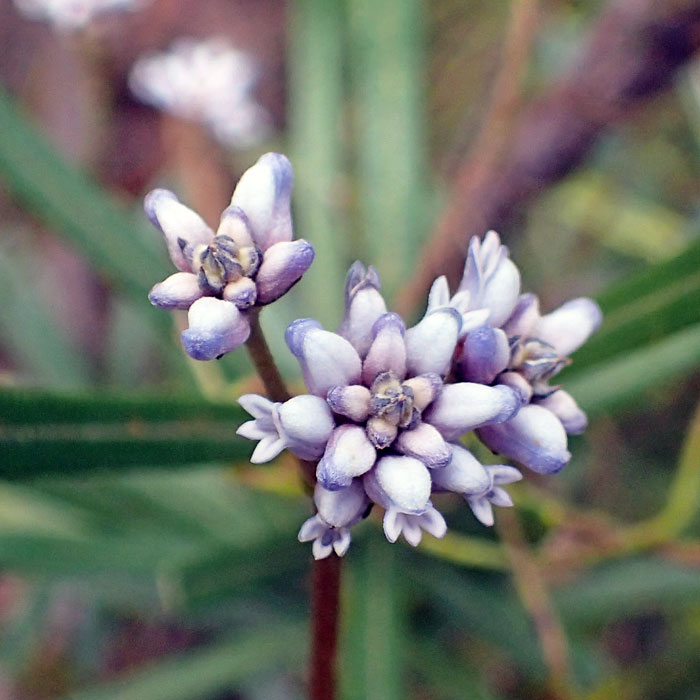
(250, 261)
(379, 416)
(524, 350)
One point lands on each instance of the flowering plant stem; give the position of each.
(264, 363)
(324, 612)
(326, 572)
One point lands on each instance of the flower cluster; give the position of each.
(387, 405)
(73, 14)
(520, 348)
(206, 81)
(382, 421)
(250, 261)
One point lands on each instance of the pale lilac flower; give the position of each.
(250, 261)
(524, 350)
(336, 512)
(393, 422)
(73, 14)
(207, 81)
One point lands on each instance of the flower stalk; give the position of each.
(324, 615)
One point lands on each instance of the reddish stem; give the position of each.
(324, 620)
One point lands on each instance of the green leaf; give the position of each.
(205, 672)
(53, 433)
(617, 382)
(627, 587)
(74, 206)
(30, 333)
(387, 76)
(372, 615)
(316, 143)
(483, 608)
(645, 308)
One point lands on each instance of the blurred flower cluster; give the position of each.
(387, 406)
(73, 14)
(207, 81)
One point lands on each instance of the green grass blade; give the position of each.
(39, 345)
(204, 672)
(69, 202)
(373, 614)
(626, 588)
(53, 433)
(387, 73)
(623, 379)
(316, 144)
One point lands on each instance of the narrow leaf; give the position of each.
(53, 433)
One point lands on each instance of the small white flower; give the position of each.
(207, 81)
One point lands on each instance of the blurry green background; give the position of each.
(141, 558)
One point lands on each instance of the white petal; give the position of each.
(482, 509)
(524, 317)
(306, 422)
(500, 497)
(243, 293)
(393, 524)
(283, 265)
(215, 328)
(363, 306)
(264, 193)
(402, 483)
(326, 359)
(501, 292)
(268, 448)
(349, 454)
(388, 349)
(179, 224)
(412, 531)
(485, 355)
(535, 437)
(179, 291)
(342, 542)
(570, 325)
(465, 406)
(426, 444)
(253, 430)
(503, 474)
(565, 408)
(320, 550)
(311, 529)
(431, 343)
(433, 522)
(464, 474)
(351, 401)
(341, 508)
(439, 294)
(234, 224)
(258, 406)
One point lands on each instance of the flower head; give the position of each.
(207, 81)
(250, 261)
(524, 350)
(379, 417)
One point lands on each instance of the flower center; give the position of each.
(390, 408)
(222, 261)
(391, 400)
(537, 362)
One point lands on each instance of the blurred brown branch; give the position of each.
(534, 594)
(632, 53)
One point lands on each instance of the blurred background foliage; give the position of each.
(142, 557)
